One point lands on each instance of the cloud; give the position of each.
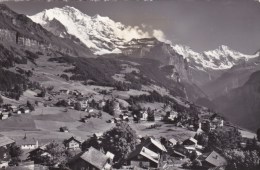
(159, 34)
(133, 32)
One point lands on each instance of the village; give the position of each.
(95, 152)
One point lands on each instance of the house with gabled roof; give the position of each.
(27, 143)
(42, 150)
(4, 115)
(64, 129)
(177, 154)
(154, 145)
(143, 157)
(172, 142)
(73, 143)
(212, 160)
(190, 142)
(5, 144)
(90, 159)
(110, 156)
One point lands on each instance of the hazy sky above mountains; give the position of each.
(200, 24)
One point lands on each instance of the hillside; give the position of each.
(232, 78)
(241, 105)
(19, 29)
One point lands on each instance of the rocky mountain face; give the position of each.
(197, 76)
(232, 78)
(241, 105)
(107, 37)
(20, 30)
(101, 34)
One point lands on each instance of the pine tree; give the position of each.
(1, 100)
(258, 134)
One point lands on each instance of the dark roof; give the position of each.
(25, 141)
(43, 147)
(77, 139)
(4, 140)
(215, 116)
(191, 139)
(178, 153)
(95, 158)
(141, 150)
(64, 128)
(156, 143)
(214, 159)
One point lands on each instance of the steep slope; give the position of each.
(241, 105)
(105, 36)
(218, 59)
(101, 34)
(232, 78)
(19, 29)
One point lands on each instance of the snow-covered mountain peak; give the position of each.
(101, 34)
(185, 51)
(221, 58)
(225, 52)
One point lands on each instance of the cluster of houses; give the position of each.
(9, 110)
(150, 153)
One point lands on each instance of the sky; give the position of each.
(201, 24)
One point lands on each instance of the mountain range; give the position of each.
(103, 35)
(216, 78)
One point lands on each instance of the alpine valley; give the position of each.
(204, 76)
(197, 77)
(74, 86)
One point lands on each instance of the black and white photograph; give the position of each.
(129, 84)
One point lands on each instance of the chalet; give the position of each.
(24, 109)
(177, 154)
(64, 129)
(192, 149)
(5, 144)
(98, 135)
(144, 116)
(65, 91)
(91, 159)
(101, 104)
(18, 112)
(172, 115)
(73, 143)
(172, 142)
(27, 143)
(212, 160)
(110, 156)
(41, 149)
(116, 108)
(143, 157)
(154, 145)
(179, 151)
(124, 117)
(190, 142)
(4, 115)
(216, 121)
(84, 104)
(76, 93)
(10, 108)
(115, 120)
